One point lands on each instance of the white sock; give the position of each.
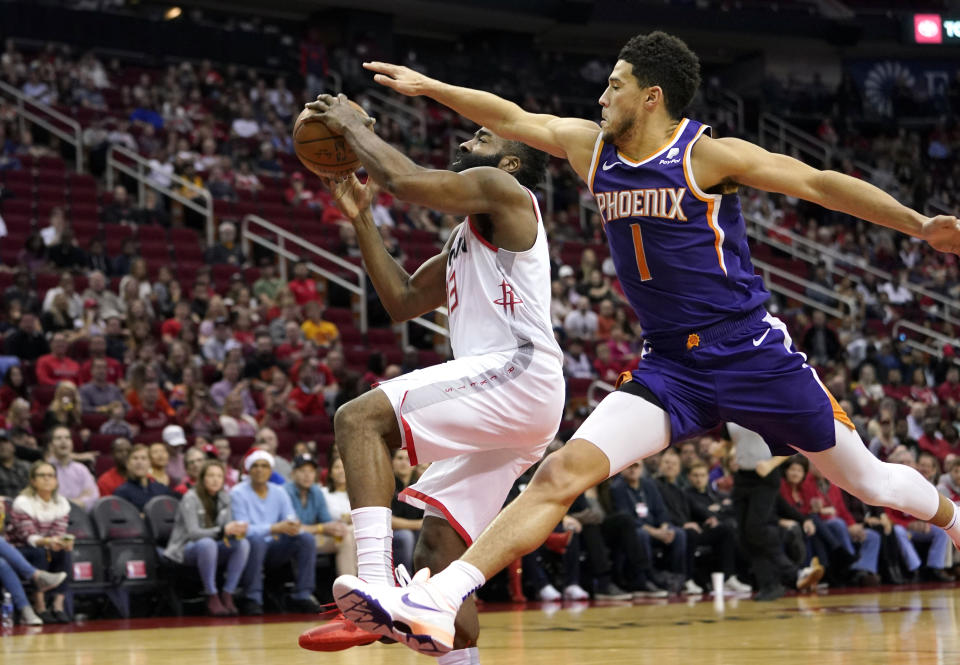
(953, 527)
(457, 581)
(460, 657)
(374, 536)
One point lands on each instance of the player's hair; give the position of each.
(664, 60)
(699, 464)
(533, 163)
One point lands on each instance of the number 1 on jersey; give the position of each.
(638, 249)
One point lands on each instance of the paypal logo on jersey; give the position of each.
(663, 202)
(671, 154)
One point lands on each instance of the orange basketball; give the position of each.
(322, 151)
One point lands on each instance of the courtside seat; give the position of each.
(131, 556)
(88, 576)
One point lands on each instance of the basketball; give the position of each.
(322, 151)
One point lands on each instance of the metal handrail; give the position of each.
(818, 252)
(923, 330)
(791, 135)
(75, 138)
(804, 142)
(592, 391)
(141, 174)
(768, 269)
(389, 103)
(737, 102)
(248, 235)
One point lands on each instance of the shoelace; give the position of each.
(328, 611)
(401, 575)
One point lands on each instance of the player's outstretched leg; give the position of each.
(852, 467)
(366, 431)
(422, 615)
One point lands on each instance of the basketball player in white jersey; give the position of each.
(483, 418)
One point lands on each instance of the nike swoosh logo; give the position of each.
(759, 340)
(607, 167)
(406, 601)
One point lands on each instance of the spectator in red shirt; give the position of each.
(606, 368)
(150, 414)
(606, 319)
(894, 387)
(302, 286)
(116, 475)
(836, 519)
(316, 381)
(289, 350)
(171, 328)
(297, 195)
(56, 366)
(931, 441)
(620, 351)
(919, 390)
(98, 349)
(949, 390)
(279, 412)
(793, 486)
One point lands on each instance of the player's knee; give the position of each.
(557, 478)
(871, 490)
(346, 421)
(370, 413)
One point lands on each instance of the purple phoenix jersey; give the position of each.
(681, 254)
(711, 351)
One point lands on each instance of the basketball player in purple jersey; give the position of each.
(667, 194)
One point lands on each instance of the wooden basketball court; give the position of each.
(902, 627)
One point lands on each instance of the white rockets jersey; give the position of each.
(498, 300)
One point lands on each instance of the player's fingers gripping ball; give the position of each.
(318, 138)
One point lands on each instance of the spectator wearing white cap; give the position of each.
(266, 439)
(332, 536)
(176, 442)
(275, 536)
(568, 280)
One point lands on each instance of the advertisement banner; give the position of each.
(880, 81)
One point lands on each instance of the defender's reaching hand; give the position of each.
(402, 79)
(943, 233)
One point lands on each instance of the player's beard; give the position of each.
(469, 160)
(616, 134)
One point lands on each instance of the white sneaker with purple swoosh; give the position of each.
(414, 615)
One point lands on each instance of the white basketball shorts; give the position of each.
(481, 421)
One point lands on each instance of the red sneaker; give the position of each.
(336, 635)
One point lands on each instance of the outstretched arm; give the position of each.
(478, 190)
(403, 295)
(727, 161)
(568, 138)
